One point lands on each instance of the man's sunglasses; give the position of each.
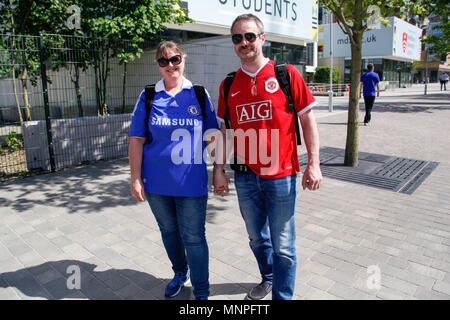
(164, 62)
(249, 36)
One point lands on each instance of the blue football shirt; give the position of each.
(173, 163)
(370, 80)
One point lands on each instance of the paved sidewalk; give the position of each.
(84, 219)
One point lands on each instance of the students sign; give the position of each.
(289, 18)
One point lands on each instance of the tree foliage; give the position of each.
(27, 17)
(108, 22)
(102, 27)
(439, 39)
(322, 75)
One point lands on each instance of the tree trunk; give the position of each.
(23, 78)
(76, 82)
(351, 147)
(13, 73)
(15, 94)
(124, 83)
(104, 78)
(97, 90)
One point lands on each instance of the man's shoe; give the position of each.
(367, 123)
(260, 291)
(178, 282)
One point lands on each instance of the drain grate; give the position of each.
(380, 171)
(401, 168)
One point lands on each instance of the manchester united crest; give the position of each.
(272, 85)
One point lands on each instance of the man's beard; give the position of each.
(249, 55)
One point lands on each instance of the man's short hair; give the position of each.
(370, 66)
(249, 16)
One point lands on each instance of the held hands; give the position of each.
(312, 178)
(137, 190)
(220, 181)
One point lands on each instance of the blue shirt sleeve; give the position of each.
(137, 128)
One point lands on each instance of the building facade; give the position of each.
(291, 27)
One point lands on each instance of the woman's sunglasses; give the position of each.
(164, 62)
(249, 36)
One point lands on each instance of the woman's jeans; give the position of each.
(268, 208)
(182, 224)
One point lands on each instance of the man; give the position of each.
(369, 81)
(258, 111)
(444, 79)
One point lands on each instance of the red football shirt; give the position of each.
(264, 129)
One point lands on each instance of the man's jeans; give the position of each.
(182, 224)
(368, 102)
(268, 207)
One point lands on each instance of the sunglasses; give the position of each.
(249, 36)
(164, 62)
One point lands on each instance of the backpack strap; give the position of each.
(149, 95)
(284, 79)
(226, 90)
(235, 165)
(201, 97)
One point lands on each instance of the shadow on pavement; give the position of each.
(58, 276)
(86, 189)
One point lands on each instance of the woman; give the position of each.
(175, 190)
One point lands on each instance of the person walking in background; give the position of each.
(267, 192)
(444, 79)
(176, 193)
(370, 87)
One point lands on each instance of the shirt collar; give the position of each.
(160, 85)
(253, 75)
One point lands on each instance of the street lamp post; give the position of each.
(426, 59)
(426, 69)
(330, 99)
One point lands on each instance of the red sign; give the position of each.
(404, 41)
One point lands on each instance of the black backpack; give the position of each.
(284, 80)
(150, 94)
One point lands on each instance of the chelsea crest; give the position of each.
(193, 110)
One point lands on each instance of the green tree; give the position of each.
(109, 22)
(355, 17)
(28, 17)
(103, 24)
(322, 75)
(440, 39)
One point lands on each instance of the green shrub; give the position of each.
(322, 75)
(13, 141)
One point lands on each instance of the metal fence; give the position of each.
(323, 89)
(66, 100)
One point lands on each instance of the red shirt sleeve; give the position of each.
(303, 98)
